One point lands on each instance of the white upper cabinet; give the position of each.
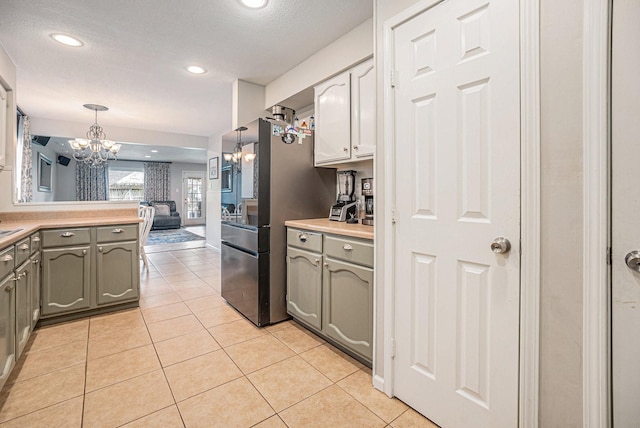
(332, 124)
(363, 110)
(344, 117)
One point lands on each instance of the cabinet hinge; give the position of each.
(393, 216)
(609, 256)
(393, 348)
(394, 78)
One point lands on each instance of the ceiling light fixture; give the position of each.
(154, 151)
(67, 40)
(195, 69)
(94, 150)
(254, 4)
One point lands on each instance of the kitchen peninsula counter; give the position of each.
(33, 222)
(336, 227)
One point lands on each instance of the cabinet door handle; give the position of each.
(118, 230)
(347, 247)
(346, 149)
(302, 237)
(317, 262)
(67, 234)
(36, 239)
(84, 252)
(35, 262)
(100, 249)
(7, 258)
(9, 288)
(326, 265)
(355, 147)
(23, 247)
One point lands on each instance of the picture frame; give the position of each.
(213, 168)
(45, 181)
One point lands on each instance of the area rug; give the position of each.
(171, 236)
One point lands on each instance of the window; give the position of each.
(126, 183)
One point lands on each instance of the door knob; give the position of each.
(632, 260)
(500, 245)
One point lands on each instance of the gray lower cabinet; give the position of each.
(330, 287)
(7, 326)
(36, 275)
(117, 273)
(66, 279)
(304, 286)
(348, 305)
(23, 305)
(87, 268)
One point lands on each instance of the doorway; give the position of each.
(456, 218)
(194, 198)
(625, 206)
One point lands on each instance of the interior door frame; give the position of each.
(596, 284)
(185, 175)
(529, 217)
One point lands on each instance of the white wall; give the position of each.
(348, 50)
(247, 103)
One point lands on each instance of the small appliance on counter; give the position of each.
(367, 192)
(345, 208)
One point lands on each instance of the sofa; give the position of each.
(166, 216)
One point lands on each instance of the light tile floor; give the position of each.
(187, 359)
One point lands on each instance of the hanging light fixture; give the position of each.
(236, 156)
(94, 150)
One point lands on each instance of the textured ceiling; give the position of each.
(135, 53)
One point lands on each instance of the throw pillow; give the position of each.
(162, 209)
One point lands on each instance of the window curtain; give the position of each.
(92, 182)
(25, 189)
(157, 181)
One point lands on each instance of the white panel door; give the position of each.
(194, 207)
(457, 181)
(625, 199)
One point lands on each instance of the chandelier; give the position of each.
(236, 156)
(94, 150)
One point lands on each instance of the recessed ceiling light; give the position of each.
(254, 4)
(147, 156)
(154, 151)
(67, 40)
(196, 69)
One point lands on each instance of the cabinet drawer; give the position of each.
(358, 252)
(309, 241)
(127, 232)
(35, 243)
(23, 251)
(7, 261)
(64, 237)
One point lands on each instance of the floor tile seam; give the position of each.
(44, 373)
(122, 381)
(218, 325)
(119, 352)
(156, 322)
(276, 415)
(236, 343)
(364, 404)
(188, 359)
(118, 330)
(86, 368)
(170, 318)
(26, 352)
(43, 408)
(206, 390)
(304, 399)
(293, 350)
(144, 416)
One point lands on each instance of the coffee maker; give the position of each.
(345, 208)
(367, 192)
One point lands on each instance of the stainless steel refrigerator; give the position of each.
(279, 184)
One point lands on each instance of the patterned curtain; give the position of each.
(92, 182)
(26, 171)
(157, 181)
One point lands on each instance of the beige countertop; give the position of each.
(336, 227)
(30, 226)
